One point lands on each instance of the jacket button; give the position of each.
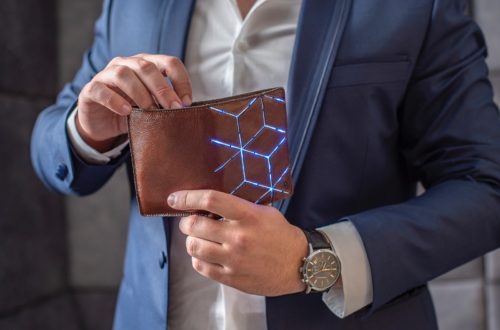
(163, 260)
(62, 172)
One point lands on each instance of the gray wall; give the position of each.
(32, 275)
(487, 13)
(41, 45)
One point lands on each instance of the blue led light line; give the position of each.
(242, 149)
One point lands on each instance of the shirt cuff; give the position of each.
(356, 290)
(86, 152)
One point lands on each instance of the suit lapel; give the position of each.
(319, 31)
(174, 27)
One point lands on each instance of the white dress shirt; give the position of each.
(228, 55)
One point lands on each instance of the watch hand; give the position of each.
(319, 271)
(323, 270)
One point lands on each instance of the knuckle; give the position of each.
(192, 223)
(116, 60)
(120, 71)
(208, 200)
(145, 66)
(197, 265)
(184, 200)
(241, 240)
(173, 61)
(191, 246)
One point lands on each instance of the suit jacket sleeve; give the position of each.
(450, 139)
(53, 157)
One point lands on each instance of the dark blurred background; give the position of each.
(60, 257)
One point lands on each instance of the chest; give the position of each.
(226, 54)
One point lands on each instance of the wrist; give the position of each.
(99, 145)
(302, 250)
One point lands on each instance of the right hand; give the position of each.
(139, 80)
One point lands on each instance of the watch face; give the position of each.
(321, 270)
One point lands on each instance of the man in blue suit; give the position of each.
(380, 95)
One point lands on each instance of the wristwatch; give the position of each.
(321, 268)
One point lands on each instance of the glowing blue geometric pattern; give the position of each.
(244, 149)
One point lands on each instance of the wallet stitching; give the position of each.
(216, 102)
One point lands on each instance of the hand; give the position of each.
(253, 248)
(139, 80)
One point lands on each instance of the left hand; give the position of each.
(253, 249)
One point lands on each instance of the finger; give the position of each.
(152, 77)
(211, 252)
(125, 79)
(212, 271)
(97, 92)
(176, 71)
(205, 228)
(225, 205)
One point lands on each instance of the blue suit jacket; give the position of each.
(382, 94)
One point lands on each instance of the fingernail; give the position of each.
(171, 200)
(175, 105)
(186, 100)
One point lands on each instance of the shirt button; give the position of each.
(62, 172)
(243, 46)
(163, 260)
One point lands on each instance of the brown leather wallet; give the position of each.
(236, 145)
